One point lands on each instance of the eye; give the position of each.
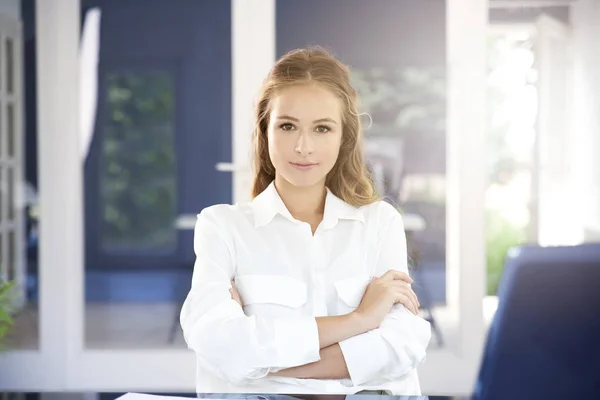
(323, 129)
(286, 126)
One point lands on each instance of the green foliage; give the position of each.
(6, 308)
(501, 234)
(138, 186)
(400, 100)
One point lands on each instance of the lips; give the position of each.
(303, 166)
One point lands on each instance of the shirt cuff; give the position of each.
(367, 356)
(297, 341)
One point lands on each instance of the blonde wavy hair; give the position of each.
(349, 178)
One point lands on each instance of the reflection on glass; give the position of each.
(138, 170)
(405, 148)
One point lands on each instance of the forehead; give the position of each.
(306, 102)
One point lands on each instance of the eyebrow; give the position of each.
(287, 117)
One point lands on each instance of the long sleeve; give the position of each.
(399, 344)
(231, 345)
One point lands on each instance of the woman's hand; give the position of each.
(235, 295)
(382, 293)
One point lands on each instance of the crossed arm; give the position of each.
(386, 290)
(331, 366)
(331, 330)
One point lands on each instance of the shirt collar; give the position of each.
(268, 204)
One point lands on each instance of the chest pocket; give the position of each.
(350, 292)
(271, 295)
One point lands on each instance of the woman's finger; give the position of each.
(412, 296)
(405, 286)
(399, 284)
(413, 299)
(411, 293)
(393, 274)
(416, 298)
(404, 299)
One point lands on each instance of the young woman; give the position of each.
(305, 289)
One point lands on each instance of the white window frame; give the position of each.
(11, 29)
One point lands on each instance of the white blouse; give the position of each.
(286, 277)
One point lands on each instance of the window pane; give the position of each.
(138, 169)
(10, 59)
(511, 130)
(10, 256)
(10, 133)
(10, 194)
(405, 149)
(403, 103)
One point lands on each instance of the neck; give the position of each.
(302, 202)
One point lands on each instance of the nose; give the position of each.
(304, 145)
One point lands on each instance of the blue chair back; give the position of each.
(544, 341)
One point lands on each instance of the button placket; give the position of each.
(319, 307)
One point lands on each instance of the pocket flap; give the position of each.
(271, 289)
(351, 290)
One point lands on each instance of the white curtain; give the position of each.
(88, 73)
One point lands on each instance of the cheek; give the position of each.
(333, 149)
(276, 148)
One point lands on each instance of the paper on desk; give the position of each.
(143, 396)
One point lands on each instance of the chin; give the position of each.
(304, 179)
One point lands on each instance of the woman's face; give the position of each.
(304, 134)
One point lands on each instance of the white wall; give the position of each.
(585, 19)
(11, 8)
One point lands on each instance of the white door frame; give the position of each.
(64, 364)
